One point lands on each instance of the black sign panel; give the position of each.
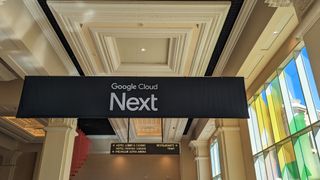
(97, 97)
(142, 148)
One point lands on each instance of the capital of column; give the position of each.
(63, 122)
(302, 7)
(200, 149)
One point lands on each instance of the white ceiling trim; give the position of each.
(110, 59)
(16, 55)
(208, 16)
(39, 16)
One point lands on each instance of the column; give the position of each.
(200, 150)
(57, 149)
(231, 155)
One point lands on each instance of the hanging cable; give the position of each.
(128, 135)
(162, 129)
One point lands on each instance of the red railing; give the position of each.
(80, 152)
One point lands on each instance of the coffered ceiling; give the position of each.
(123, 38)
(157, 38)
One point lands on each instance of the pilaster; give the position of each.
(57, 149)
(200, 150)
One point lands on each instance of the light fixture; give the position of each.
(275, 32)
(143, 49)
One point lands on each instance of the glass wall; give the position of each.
(284, 123)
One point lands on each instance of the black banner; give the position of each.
(97, 97)
(144, 148)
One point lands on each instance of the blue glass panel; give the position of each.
(312, 84)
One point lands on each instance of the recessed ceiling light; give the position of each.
(143, 49)
(275, 32)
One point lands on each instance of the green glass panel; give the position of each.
(287, 162)
(307, 157)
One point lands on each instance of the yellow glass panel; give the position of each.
(260, 123)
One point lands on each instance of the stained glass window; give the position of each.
(297, 101)
(307, 157)
(284, 123)
(260, 168)
(277, 112)
(254, 131)
(272, 164)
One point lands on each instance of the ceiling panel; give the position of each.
(143, 50)
(145, 127)
(94, 31)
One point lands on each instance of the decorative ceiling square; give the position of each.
(157, 38)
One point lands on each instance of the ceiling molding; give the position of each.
(5, 73)
(309, 19)
(234, 36)
(173, 130)
(17, 132)
(110, 58)
(120, 126)
(205, 18)
(47, 29)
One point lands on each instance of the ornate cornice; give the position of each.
(278, 3)
(200, 149)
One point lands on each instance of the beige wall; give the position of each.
(187, 162)
(10, 93)
(130, 167)
(312, 42)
